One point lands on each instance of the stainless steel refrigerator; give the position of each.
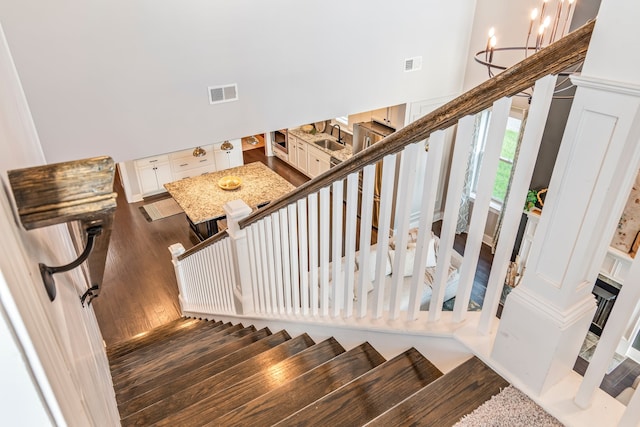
(364, 136)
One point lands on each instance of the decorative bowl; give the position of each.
(230, 182)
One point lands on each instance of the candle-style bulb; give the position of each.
(534, 14)
(493, 41)
(547, 21)
(492, 32)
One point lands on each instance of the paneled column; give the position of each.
(547, 316)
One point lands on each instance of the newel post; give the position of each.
(242, 293)
(176, 250)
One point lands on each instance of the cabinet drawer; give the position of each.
(191, 172)
(152, 160)
(185, 163)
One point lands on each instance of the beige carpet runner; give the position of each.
(161, 209)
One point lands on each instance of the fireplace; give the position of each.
(606, 291)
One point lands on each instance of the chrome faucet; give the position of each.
(333, 126)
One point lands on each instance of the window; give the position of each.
(507, 154)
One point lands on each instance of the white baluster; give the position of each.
(176, 250)
(408, 172)
(304, 265)
(253, 261)
(262, 273)
(350, 241)
(277, 261)
(336, 251)
(267, 263)
(529, 147)
(429, 190)
(286, 259)
(293, 250)
(324, 250)
(313, 251)
(384, 223)
(486, 179)
(366, 211)
(461, 150)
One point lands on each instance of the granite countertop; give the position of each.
(341, 155)
(202, 199)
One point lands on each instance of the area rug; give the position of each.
(509, 408)
(161, 209)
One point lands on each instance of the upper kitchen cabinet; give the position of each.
(390, 116)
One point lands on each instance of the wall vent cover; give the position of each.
(413, 64)
(224, 93)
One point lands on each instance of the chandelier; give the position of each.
(545, 27)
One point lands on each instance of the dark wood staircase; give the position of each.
(195, 372)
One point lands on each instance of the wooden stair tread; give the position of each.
(447, 399)
(167, 344)
(181, 399)
(371, 394)
(305, 389)
(138, 397)
(141, 340)
(244, 390)
(193, 351)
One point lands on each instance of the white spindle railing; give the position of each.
(316, 257)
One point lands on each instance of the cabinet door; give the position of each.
(317, 162)
(302, 156)
(222, 160)
(292, 148)
(147, 179)
(163, 175)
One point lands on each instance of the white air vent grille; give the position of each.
(225, 93)
(413, 64)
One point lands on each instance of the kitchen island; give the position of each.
(202, 199)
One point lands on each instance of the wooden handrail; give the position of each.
(78, 193)
(553, 59)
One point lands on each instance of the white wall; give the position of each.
(128, 79)
(59, 342)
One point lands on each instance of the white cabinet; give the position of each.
(301, 156)
(292, 148)
(318, 161)
(185, 165)
(153, 173)
(228, 158)
(390, 116)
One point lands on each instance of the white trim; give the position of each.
(606, 85)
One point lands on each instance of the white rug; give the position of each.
(161, 209)
(509, 408)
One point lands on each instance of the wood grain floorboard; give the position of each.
(139, 290)
(168, 362)
(214, 338)
(617, 380)
(249, 388)
(156, 413)
(158, 388)
(205, 330)
(304, 390)
(447, 399)
(371, 394)
(147, 338)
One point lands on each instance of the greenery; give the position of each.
(504, 167)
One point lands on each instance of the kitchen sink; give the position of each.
(329, 144)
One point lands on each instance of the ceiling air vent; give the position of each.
(226, 93)
(413, 64)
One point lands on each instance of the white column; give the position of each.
(547, 316)
(242, 291)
